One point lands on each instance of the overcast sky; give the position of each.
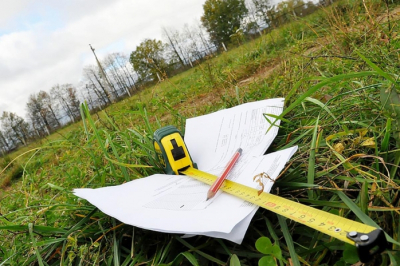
(46, 42)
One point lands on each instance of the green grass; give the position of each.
(337, 70)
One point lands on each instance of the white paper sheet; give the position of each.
(236, 235)
(177, 204)
(213, 138)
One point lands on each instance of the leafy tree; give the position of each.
(290, 6)
(222, 18)
(262, 8)
(148, 60)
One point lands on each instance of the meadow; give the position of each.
(338, 72)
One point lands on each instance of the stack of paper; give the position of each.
(177, 204)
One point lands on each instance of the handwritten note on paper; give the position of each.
(213, 138)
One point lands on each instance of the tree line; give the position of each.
(119, 75)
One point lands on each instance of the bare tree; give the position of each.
(15, 128)
(38, 114)
(193, 43)
(129, 74)
(172, 37)
(104, 76)
(4, 146)
(37, 128)
(89, 73)
(253, 21)
(205, 40)
(115, 71)
(49, 106)
(67, 99)
(72, 99)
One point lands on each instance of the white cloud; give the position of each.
(47, 42)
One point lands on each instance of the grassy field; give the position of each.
(337, 70)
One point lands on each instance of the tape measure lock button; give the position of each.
(177, 152)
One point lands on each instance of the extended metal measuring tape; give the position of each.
(172, 152)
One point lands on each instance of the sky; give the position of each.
(46, 42)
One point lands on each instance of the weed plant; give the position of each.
(337, 70)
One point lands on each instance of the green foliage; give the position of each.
(350, 254)
(222, 18)
(341, 94)
(148, 60)
(390, 101)
(273, 252)
(234, 261)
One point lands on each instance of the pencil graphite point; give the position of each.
(210, 195)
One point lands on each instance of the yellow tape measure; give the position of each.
(368, 240)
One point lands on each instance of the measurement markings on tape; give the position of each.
(330, 224)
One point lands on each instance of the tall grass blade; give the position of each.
(378, 70)
(128, 165)
(364, 197)
(234, 261)
(3, 263)
(323, 106)
(288, 240)
(100, 141)
(115, 151)
(116, 252)
(192, 259)
(386, 139)
(50, 241)
(311, 160)
(83, 115)
(38, 256)
(143, 114)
